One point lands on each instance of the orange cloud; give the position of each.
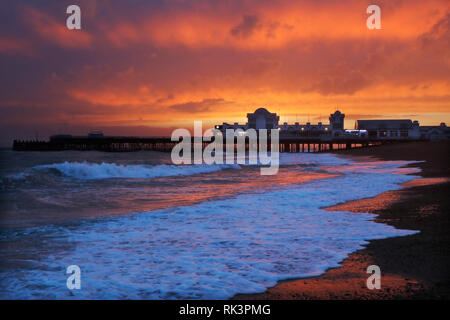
(116, 97)
(271, 25)
(48, 28)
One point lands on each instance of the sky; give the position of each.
(148, 67)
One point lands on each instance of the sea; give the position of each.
(139, 227)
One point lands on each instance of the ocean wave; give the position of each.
(210, 250)
(91, 171)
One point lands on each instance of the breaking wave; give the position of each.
(86, 170)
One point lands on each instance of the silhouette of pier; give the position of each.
(165, 144)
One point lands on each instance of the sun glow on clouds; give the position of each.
(273, 25)
(168, 63)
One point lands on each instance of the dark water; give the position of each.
(31, 195)
(139, 227)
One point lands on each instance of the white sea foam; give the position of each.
(86, 170)
(310, 159)
(322, 159)
(214, 249)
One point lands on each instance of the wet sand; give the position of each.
(412, 267)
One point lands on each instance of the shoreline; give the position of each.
(412, 267)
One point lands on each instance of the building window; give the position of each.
(393, 133)
(383, 133)
(403, 133)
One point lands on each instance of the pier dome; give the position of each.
(262, 119)
(262, 110)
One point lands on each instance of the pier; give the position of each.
(295, 137)
(165, 144)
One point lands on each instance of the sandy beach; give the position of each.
(413, 267)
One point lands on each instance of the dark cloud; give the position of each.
(247, 26)
(261, 67)
(437, 39)
(440, 30)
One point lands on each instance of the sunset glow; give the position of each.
(144, 68)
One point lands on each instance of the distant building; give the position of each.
(305, 130)
(441, 132)
(334, 128)
(260, 119)
(263, 119)
(389, 129)
(379, 129)
(337, 121)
